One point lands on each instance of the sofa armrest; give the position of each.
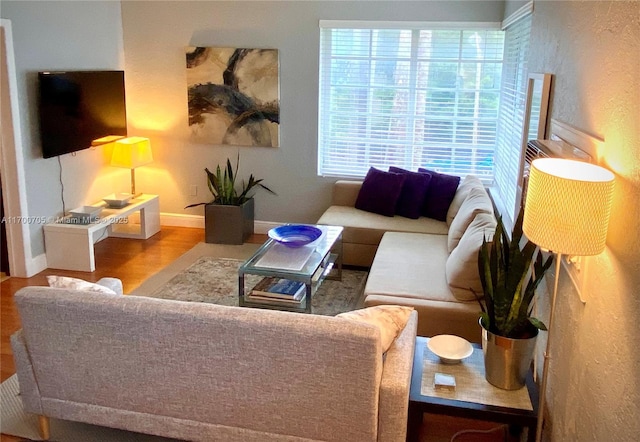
(29, 391)
(345, 193)
(395, 384)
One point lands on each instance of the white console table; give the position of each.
(69, 246)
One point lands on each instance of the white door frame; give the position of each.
(12, 163)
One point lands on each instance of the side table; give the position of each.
(69, 246)
(519, 407)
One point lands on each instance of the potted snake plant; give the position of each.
(229, 216)
(509, 275)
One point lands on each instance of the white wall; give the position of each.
(593, 50)
(57, 36)
(155, 37)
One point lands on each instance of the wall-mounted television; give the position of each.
(78, 107)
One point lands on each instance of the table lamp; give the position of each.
(130, 153)
(567, 211)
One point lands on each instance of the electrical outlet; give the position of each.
(193, 190)
(576, 268)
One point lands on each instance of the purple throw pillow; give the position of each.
(380, 192)
(440, 193)
(414, 191)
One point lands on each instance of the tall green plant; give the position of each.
(509, 282)
(222, 185)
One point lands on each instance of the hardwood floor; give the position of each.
(133, 261)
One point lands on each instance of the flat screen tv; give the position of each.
(78, 107)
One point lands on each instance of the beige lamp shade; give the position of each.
(568, 206)
(131, 152)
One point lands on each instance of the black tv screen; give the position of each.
(78, 107)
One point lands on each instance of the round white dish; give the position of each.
(451, 349)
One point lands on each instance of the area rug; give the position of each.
(215, 280)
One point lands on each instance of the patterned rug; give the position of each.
(215, 280)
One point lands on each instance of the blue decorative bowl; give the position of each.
(295, 235)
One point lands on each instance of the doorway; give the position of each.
(4, 251)
(15, 236)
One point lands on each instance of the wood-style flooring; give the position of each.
(133, 261)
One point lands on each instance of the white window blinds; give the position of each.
(409, 97)
(511, 118)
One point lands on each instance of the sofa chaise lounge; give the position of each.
(424, 263)
(207, 372)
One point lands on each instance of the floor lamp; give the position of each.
(130, 153)
(567, 212)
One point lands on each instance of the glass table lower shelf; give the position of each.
(309, 264)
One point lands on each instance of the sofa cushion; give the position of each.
(390, 320)
(410, 265)
(66, 282)
(380, 192)
(362, 227)
(114, 284)
(477, 201)
(440, 193)
(438, 317)
(469, 182)
(414, 191)
(462, 265)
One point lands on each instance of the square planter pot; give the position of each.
(228, 224)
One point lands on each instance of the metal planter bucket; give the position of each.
(507, 360)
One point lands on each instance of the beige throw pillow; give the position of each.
(469, 182)
(390, 319)
(477, 201)
(66, 282)
(462, 265)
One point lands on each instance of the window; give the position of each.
(511, 119)
(422, 96)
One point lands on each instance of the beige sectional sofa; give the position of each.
(424, 263)
(364, 230)
(205, 372)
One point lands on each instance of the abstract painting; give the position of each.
(234, 96)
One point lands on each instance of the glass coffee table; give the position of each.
(310, 264)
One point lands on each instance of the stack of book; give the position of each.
(279, 290)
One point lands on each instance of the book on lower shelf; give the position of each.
(280, 289)
(281, 301)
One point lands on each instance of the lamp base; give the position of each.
(134, 194)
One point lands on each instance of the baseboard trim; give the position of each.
(197, 221)
(35, 265)
(181, 220)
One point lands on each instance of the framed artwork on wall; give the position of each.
(234, 96)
